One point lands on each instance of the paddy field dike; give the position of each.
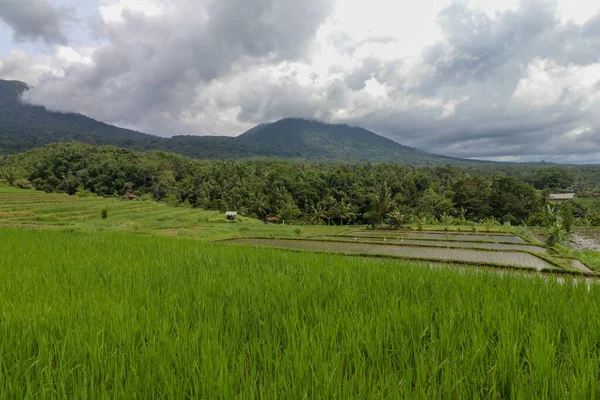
(161, 302)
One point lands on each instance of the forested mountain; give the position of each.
(311, 139)
(23, 127)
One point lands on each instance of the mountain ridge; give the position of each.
(23, 127)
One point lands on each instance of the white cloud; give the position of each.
(485, 78)
(546, 83)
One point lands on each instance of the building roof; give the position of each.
(562, 196)
(231, 213)
(272, 219)
(129, 196)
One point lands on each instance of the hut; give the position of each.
(561, 197)
(129, 196)
(272, 220)
(231, 215)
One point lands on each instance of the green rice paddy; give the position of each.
(150, 304)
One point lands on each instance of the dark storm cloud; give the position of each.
(34, 19)
(479, 67)
(157, 65)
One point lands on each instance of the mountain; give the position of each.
(23, 127)
(311, 139)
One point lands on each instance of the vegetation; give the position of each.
(300, 192)
(172, 318)
(24, 127)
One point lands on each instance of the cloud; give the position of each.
(34, 19)
(520, 83)
(156, 63)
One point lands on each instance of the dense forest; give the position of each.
(304, 192)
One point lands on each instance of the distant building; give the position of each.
(561, 197)
(272, 220)
(231, 215)
(129, 196)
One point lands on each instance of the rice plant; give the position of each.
(115, 315)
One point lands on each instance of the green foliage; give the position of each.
(398, 219)
(297, 192)
(25, 127)
(446, 220)
(147, 322)
(555, 232)
(382, 201)
(419, 221)
(489, 223)
(567, 214)
(555, 179)
(104, 213)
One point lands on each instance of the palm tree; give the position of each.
(345, 211)
(382, 201)
(419, 220)
(260, 205)
(318, 214)
(398, 219)
(446, 219)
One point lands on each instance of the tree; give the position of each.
(318, 215)
(446, 220)
(12, 174)
(473, 195)
(512, 200)
(553, 178)
(567, 215)
(346, 212)
(555, 232)
(259, 205)
(381, 201)
(398, 219)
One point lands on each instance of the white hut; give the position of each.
(561, 197)
(231, 215)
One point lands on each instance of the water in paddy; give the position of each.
(441, 236)
(426, 253)
(440, 243)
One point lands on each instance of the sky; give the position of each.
(509, 80)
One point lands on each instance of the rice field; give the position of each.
(28, 208)
(33, 208)
(437, 243)
(116, 315)
(494, 258)
(459, 237)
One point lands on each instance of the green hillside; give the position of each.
(312, 139)
(23, 127)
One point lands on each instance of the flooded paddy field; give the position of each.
(460, 237)
(438, 243)
(507, 258)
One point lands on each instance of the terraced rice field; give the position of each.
(112, 315)
(31, 208)
(460, 237)
(504, 258)
(438, 243)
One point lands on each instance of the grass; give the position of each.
(586, 201)
(20, 207)
(114, 315)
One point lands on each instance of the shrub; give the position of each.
(298, 231)
(23, 184)
(104, 213)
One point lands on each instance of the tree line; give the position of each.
(301, 192)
